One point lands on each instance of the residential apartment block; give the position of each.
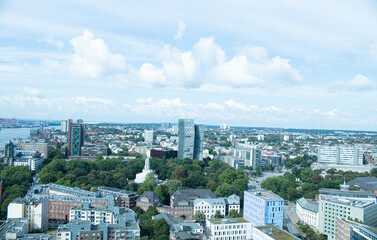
(123, 198)
(36, 211)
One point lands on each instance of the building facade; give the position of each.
(229, 229)
(198, 143)
(148, 136)
(249, 153)
(340, 155)
(191, 136)
(210, 206)
(76, 133)
(307, 211)
(333, 207)
(263, 207)
(35, 211)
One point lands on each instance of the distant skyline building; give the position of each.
(340, 155)
(148, 136)
(198, 143)
(76, 133)
(190, 139)
(9, 154)
(64, 126)
(250, 153)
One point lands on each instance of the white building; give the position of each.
(340, 155)
(286, 138)
(307, 211)
(260, 137)
(250, 153)
(35, 211)
(229, 228)
(95, 215)
(148, 136)
(30, 159)
(209, 206)
(332, 207)
(271, 232)
(64, 126)
(140, 177)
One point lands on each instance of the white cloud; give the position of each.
(92, 57)
(31, 91)
(358, 83)
(207, 52)
(52, 42)
(207, 63)
(251, 68)
(180, 31)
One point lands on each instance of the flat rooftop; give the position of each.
(276, 233)
(349, 202)
(265, 194)
(228, 221)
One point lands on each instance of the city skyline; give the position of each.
(287, 65)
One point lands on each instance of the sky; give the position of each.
(289, 64)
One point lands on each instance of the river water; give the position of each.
(16, 135)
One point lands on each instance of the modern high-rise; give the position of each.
(75, 138)
(198, 143)
(64, 126)
(340, 155)
(190, 139)
(148, 136)
(251, 154)
(9, 154)
(263, 207)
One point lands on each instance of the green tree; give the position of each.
(151, 211)
(173, 185)
(199, 216)
(149, 184)
(179, 173)
(234, 214)
(218, 214)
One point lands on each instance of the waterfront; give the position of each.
(7, 134)
(16, 135)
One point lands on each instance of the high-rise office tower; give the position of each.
(198, 144)
(64, 126)
(75, 138)
(148, 136)
(190, 139)
(9, 154)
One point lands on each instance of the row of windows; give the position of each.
(222, 233)
(233, 226)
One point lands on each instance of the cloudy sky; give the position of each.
(296, 64)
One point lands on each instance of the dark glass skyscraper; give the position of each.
(75, 138)
(190, 139)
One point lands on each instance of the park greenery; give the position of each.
(15, 183)
(150, 228)
(215, 175)
(304, 182)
